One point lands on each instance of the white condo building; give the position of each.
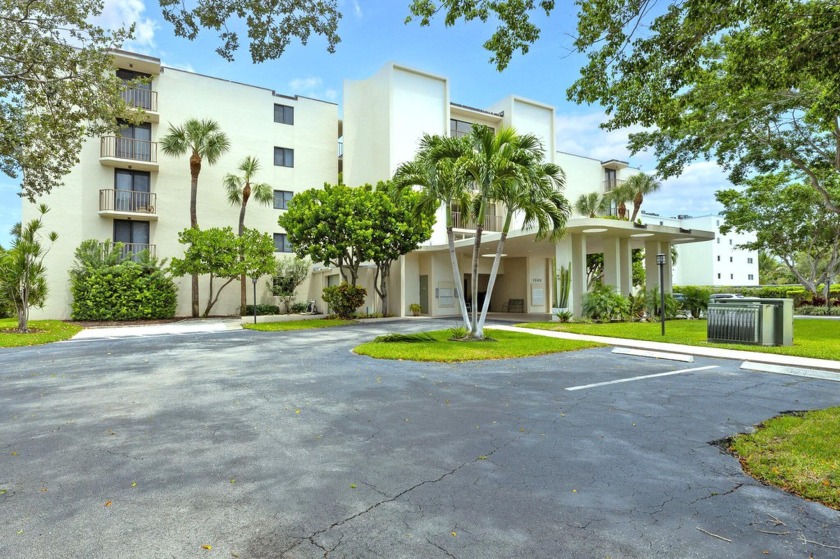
(717, 262)
(125, 190)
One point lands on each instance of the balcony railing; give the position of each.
(111, 200)
(128, 148)
(133, 250)
(141, 98)
(491, 222)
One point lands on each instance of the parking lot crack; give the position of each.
(440, 548)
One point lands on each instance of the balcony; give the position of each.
(145, 99)
(612, 184)
(128, 153)
(491, 222)
(121, 204)
(132, 250)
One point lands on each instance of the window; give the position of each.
(281, 243)
(718, 258)
(133, 234)
(718, 223)
(138, 94)
(718, 276)
(731, 276)
(730, 242)
(750, 276)
(749, 260)
(718, 240)
(459, 128)
(284, 114)
(281, 199)
(284, 157)
(131, 191)
(730, 259)
(134, 141)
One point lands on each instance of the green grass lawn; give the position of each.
(507, 345)
(44, 332)
(298, 324)
(811, 337)
(797, 453)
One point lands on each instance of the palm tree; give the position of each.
(239, 191)
(590, 204)
(640, 185)
(202, 139)
(535, 192)
(435, 175)
(619, 196)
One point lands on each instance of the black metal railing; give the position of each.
(133, 250)
(128, 148)
(141, 98)
(127, 201)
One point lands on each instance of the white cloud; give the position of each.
(357, 9)
(119, 13)
(312, 86)
(691, 193)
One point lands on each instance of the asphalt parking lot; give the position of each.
(246, 444)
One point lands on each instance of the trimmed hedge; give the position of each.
(798, 293)
(262, 310)
(126, 291)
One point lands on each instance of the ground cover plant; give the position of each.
(505, 345)
(797, 452)
(41, 332)
(298, 324)
(811, 337)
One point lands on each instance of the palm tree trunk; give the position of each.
(479, 228)
(637, 204)
(456, 273)
(494, 271)
(243, 284)
(195, 169)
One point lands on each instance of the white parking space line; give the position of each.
(631, 379)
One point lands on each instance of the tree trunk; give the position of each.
(456, 272)
(243, 283)
(479, 228)
(195, 170)
(479, 333)
(622, 210)
(637, 204)
(383, 288)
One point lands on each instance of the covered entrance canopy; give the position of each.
(525, 272)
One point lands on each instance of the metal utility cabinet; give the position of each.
(751, 321)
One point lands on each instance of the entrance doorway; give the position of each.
(424, 294)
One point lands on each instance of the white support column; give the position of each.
(578, 273)
(625, 259)
(651, 269)
(562, 258)
(612, 265)
(402, 310)
(668, 271)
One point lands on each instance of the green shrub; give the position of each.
(262, 310)
(604, 304)
(810, 310)
(344, 299)
(696, 299)
(107, 285)
(298, 308)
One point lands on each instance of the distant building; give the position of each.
(717, 262)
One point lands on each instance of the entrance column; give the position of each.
(668, 271)
(625, 259)
(651, 268)
(578, 243)
(612, 265)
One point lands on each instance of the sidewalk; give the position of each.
(186, 326)
(753, 356)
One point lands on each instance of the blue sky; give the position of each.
(373, 32)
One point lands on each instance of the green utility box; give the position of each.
(751, 321)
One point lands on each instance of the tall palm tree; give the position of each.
(534, 192)
(202, 139)
(239, 190)
(590, 204)
(641, 185)
(489, 163)
(435, 175)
